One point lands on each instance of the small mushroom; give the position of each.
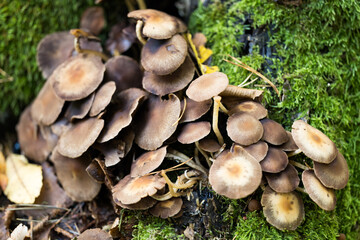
(131, 190)
(193, 109)
(244, 129)
(143, 204)
(290, 144)
(79, 137)
(275, 161)
(165, 84)
(335, 174)
(274, 133)
(235, 174)
(102, 98)
(284, 181)
(207, 86)
(313, 143)
(121, 38)
(251, 107)
(148, 162)
(157, 24)
(78, 77)
(258, 150)
(193, 132)
(209, 145)
(73, 177)
(324, 197)
(168, 208)
(285, 211)
(113, 151)
(93, 20)
(80, 108)
(94, 234)
(163, 57)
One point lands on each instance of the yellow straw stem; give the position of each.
(216, 119)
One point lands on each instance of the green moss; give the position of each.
(315, 66)
(22, 25)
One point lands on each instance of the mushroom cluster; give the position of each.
(98, 117)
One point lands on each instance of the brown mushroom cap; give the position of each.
(313, 143)
(209, 145)
(244, 129)
(165, 84)
(80, 108)
(163, 57)
(251, 107)
(121, 38)
(274, 133)
(284, 181)
(168, 208)
(275, 161)
(124, 71)
(285, 211)
(148, 162)
(290, 144)
(78, 77)
(207, 86)
(47, 105)
(129, 100)
(194, 110)
(93, 20)
(79, 137)
(324, 197)
(235, 174)
(143, 204)
(31, 141)
(157, 24)
(161, 121)
(94, 234)
(53, 50)
(102, 98)
(113, 151)
(335, 174)
(131, 190)
(258, 150)
(73, 177)
(194, 131)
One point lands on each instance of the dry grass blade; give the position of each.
(250, 69)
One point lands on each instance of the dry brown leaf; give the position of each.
(3, 178)
(24, 179)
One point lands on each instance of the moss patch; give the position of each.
(311, 54)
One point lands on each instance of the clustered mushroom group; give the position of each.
(92, 109)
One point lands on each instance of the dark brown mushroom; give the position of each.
(143, 204)
(113, 151)
(163, 57)
(274, 133)
(258, 150)
(121, 38)
(194, 131)
(290, 144)
(207, 86)
(209, 145)
(102, 98)
(148, 162)
(94, 234)
(284, 181)
(285, 211)
(275, 161)
(80, 108)
(93, 20)
(194, 110)
(168, 208)
(313, 143)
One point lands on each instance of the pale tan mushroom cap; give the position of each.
(168, 208)
(244, 129)
(324, 197)
(74, 178)
(313, 143)
(235, 174)
(285, 211)
(47, 105)
(157, 24)
(274, 133)
(131, 190)
(207, 86)
(284, 181)
(194, 110)
(163, 57)
(79, 137)
(194, 131)
(165, 84)
(148, 162)
(102, 98)
(253, 108)
(94, 234)
(335, 174)
(258, 150)
(275, 161)
(78, 77)
(53, 50)
(156, 122)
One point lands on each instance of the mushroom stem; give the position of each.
(223, 108)
(299, 165)
(203, 153)
(162, 197)
(196, 156)
(301, 190)
(262, 186)
(183, 158)
(129, 5)
(235, 91)
(88, 51)
(293, 153)
(141, 4)
(139, 26)
(216, 119)
(181, 115)
(219, 151)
